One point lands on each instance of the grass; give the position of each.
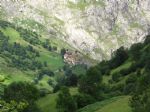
(126, 65)
(48, 103)
(32, 24)
(100, 3)
(59, 43)
(80, 5)
(44, 83)
(54, 60)
(135, 25)
(106, 78)
(73, 90)
(79, 69)
(116, 104)
(11, 74)
(121, 105)
(15, 75)
(13, 35)
(115, 30)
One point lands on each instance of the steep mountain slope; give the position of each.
(37, 37)
(94, 27)
(129, 78)
(21, 58)
(26, 56)
(117, 81)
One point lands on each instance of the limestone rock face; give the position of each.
(94, 27)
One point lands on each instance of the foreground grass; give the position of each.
(116, 104)
(125, 65)
(11, 74)
(48, 103)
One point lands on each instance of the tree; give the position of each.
(91, 83)
(104, 67)
(116, 77)
(62, 52)
(49, 48)
(13, 106)
(140, 101)
(72, 80)
(120, 57)
(83, 100)
(147, 40)
(22, 91)
(65, 102)
(44, 71)
(45, 64)
(135, 51)
(54, 48)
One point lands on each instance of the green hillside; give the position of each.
(24, 53)
(48, 103)
(34, 76)
(119, 79)
(126, 73)
(117, 104)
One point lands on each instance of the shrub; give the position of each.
(65, 102)
(83, 100)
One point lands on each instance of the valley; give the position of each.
(74, 56)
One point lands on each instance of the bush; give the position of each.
(22, 91)
(2, 78)
(65, 102)
(19, 91)
(147, 40)
(83, 100)
(140, 101)
(116, 77)
(71, 80)
(56, 88)
(91, 82)
(45, 71)
(135, 51)
(120, 56)
(118, 87)
(129, 88)
(13, 106)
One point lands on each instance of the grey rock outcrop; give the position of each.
(94, 27)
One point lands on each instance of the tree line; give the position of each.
(92, 89)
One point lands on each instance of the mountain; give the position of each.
(74, 55)
(123, 87)
(94, 27)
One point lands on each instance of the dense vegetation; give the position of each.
(26, 56)
(141, 95)
(126, 74)
(133, 80)
(20, 97)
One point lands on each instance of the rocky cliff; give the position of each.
(94, 27)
